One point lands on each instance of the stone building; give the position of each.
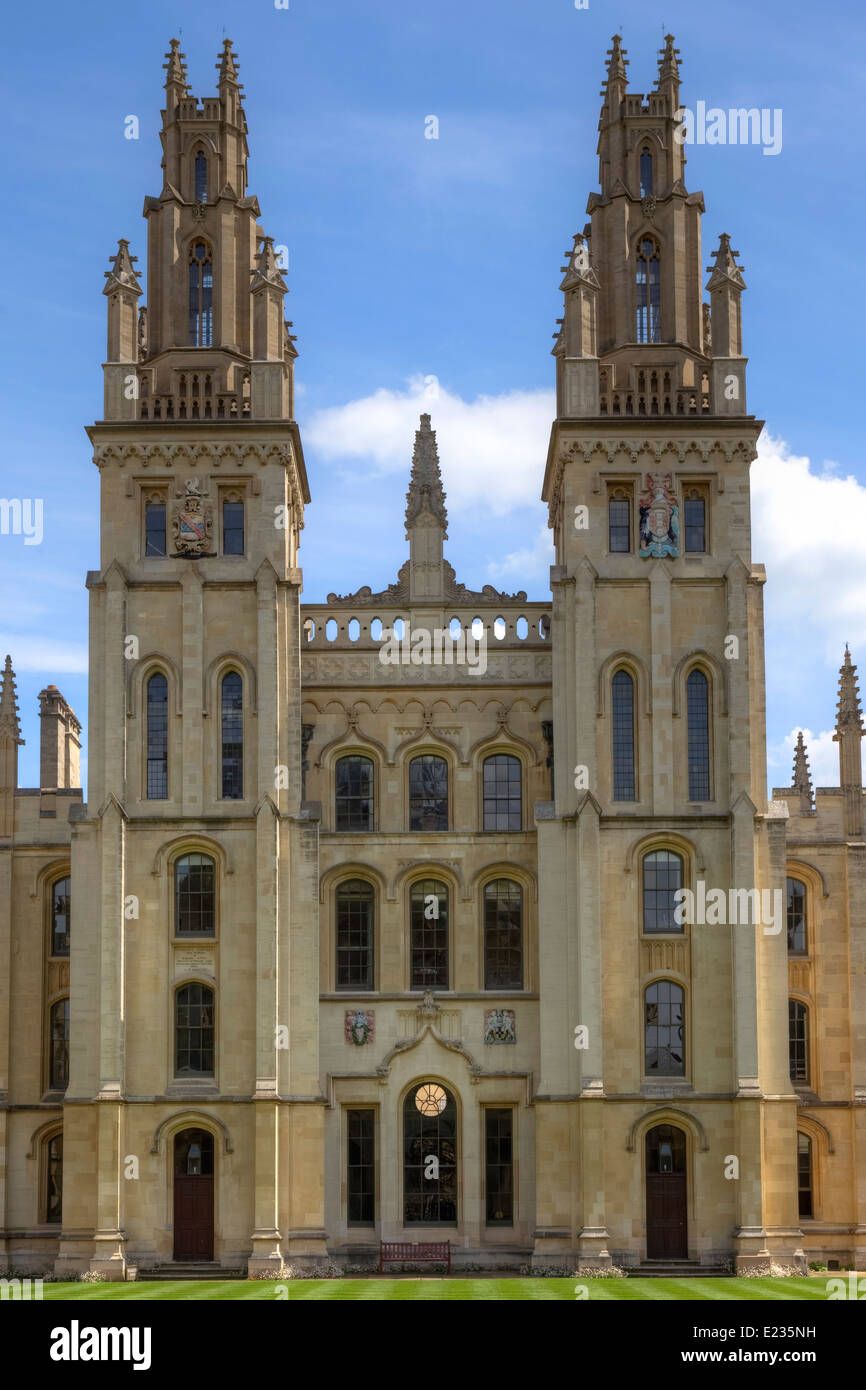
(429, 913)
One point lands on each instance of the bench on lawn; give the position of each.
(403, 1252)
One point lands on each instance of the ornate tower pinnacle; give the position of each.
(849, 732)
(426, 519)
(10, 739)
(802, 781)
(669, 71)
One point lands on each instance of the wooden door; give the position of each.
(666, 1195)
(193, 1195)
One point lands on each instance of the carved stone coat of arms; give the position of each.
(659, 518)
(192, 522)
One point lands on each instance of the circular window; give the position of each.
(430, 1099)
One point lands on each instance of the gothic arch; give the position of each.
(42, 1133)
(191, 1119)
(668, 1114)
(809, 873)
(57, 868)
(194, 842)
(626, 661)
(817, 1131)
(220, 666)
(141, 672)
(427, 868)
(716, 675)
(664, 839)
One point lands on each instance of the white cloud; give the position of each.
(528, 563)
(34, 653)
(809, 529)
(492, 450)
(822, 752)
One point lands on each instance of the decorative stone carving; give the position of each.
(499, 1026)
(360, 1026)
(192, 523)
(659, 518)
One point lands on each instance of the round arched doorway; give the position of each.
(429, 1156)
(666, 1197)
(193, 1195)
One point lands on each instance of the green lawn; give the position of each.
(464, 1290)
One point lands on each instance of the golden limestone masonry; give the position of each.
(429, 914)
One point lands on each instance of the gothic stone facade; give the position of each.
(362, 937)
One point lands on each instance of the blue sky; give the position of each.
(413, 259)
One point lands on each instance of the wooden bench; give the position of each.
(402, 1252)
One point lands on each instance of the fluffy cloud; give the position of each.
(823, 758)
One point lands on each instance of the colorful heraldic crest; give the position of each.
(659, 518)
(360, 1026)
(499, 1026)
(192, 523)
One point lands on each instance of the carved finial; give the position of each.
(617, 61)
(724, 267)
(425, 483)
(669, 70)
(848, 712)
(267, 268)
(122, 275)
(9, 722)
(802, 782)
(227, 66)
(176, 75)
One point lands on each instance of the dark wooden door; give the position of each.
(666, 1197)
(193, 1196)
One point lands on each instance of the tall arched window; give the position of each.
(430, 1132)
(54, 1179)
(646, 172)
(195, 895)
(664, 1029)
(648, 293)
(61, 916)
(200, 296)
(232, 721)
(798, 1041)
(157, 737)
(662, 876)
(502, 793)
(622, 711)
(59, 1044)
(698, 713)
(201, 177)
(804, 1175)
(428, 912)
(353, 788)
(354, 916)
(798, 938)
(428, 793)
(503, 935)
(194, 1031)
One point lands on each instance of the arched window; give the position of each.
(232, 720)
(61, 916)
(194, 1031)
(503, 800)
(157, 737)
(54, 1179)
(428, 911)
(798, 938)
(664, 1029)
(648, 293)
(662, 876)
(354, 914)
(622, 711)
(503, 935)
(804, 1175)
(798, 1041)
(646, 172)
(619, 523)
(201, 177)
(353, 787)
(698, 712)
(59, 1044)
(195, 895)
(200, 296)
(430, 1132)
(428, 793)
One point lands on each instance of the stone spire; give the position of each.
(10, 739)
(728, 372)
(175, 75)
(668, 80)
(802, 781)
(426, 520)
(425, 483)
(849, 732)
(122, 291)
